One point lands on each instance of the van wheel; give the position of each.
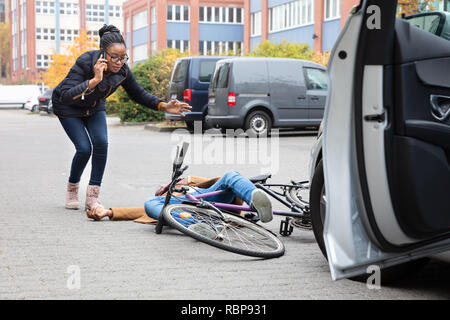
(190, 126)
(259, 122)
(317, 202)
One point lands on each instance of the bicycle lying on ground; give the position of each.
(221, 225)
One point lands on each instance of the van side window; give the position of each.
(222, 79)
(316, 78)
(206, 70)
(181, 70)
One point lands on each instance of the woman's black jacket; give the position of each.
(72, 97)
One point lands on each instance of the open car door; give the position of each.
(386, 142)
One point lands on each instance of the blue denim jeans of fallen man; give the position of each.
(89, 136)
(239, 185)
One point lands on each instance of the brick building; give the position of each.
(39, 28)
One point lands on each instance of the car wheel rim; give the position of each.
(323, 205)
(258, 124)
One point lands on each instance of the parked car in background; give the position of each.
(189, 82)
(32, 102)
(45, 101)
(380, 195)
(261, 93)
(20, 96)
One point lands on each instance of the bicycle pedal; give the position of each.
(286, 228)
(251, 217)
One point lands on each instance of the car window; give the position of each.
(316, 79)
(221, 81)
(428, 23)
(181, 69)
(206, 70)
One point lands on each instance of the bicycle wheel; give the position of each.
(299, 195)
(234, 233)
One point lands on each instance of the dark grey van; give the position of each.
(189, 82)
(261, 93)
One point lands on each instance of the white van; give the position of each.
(20, 96)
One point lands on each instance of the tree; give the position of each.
(322, 58)
(154, 76)
(283, 50)
(409, 7)
(5, 49)
(62, 62)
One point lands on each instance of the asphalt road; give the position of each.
(48, 252)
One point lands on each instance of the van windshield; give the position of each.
(179, 75)
(206, 70)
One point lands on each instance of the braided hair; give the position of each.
(110, 35)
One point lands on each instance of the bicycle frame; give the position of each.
(234, 207)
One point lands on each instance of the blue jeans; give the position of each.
(239, 185)
(90, 136)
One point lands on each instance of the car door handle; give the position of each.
(314, 98)
(301, 97)
(440, 106)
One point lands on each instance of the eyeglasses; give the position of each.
(117, 59)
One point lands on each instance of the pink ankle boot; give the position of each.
(72, 196)
(92, 194)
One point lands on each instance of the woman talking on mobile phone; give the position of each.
(79, 103)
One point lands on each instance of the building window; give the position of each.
(332, 9)
(255, 25)
(140, 20)
(153, 47)
(45, 7)
(153, 15)
(140, 53)
(177, 12)
(115, 11)
(221, 15)
(95, 12)
(68, 8)
(42, 60)
(92, 34)
(219, 47)
(292, 14)
(182, 45)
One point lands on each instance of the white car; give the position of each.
(32, 102)
(380, 170)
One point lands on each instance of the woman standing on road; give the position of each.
(79, 103)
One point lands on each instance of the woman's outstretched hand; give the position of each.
(176, 107)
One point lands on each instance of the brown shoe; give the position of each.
(72, 196)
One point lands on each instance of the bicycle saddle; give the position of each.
(261, 178)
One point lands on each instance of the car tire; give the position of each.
(34, 108)
(317, 203)
(259, 122)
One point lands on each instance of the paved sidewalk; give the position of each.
(44, 246)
